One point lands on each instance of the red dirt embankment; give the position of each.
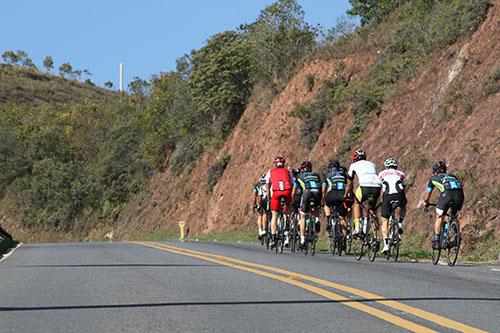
(443, 113)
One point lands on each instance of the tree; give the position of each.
(10, 57)
(48, 63)
(222, 75)
(280, 38)
(140, 90)
(23, 58)
(343, 29)
(76, 74)
(373, 11)
(65, 69)
(108, 84)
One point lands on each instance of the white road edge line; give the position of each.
(5, 256)
(495, 269)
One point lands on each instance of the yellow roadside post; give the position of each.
(181, 229)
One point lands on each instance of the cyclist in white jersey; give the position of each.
(369, 186)
(393, 189)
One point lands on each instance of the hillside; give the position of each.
(420, 83)
(29, 86)
(448, 111)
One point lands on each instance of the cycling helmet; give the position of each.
(358, 155)
(306, 166)
(279, 162)
(334, 166)
(391, 163)
(439, 167)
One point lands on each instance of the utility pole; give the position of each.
(121, 78)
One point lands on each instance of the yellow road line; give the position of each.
(406, 324)
(429, 316)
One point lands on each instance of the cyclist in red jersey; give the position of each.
(279, 184)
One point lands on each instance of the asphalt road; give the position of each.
(160, 287)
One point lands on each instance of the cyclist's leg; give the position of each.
(304, 211)
(264, 218)
(356, 209)
(275, 206)
(328, 209)
(402, 211)
(385, 213)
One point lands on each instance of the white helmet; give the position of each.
(391, 162)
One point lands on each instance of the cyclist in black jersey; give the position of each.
(261, 204)
(310, 183)
(452, 196)
(334, 184)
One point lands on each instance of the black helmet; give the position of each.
(439, 167)
(334, 166)
(306, 166)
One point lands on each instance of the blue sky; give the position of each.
(146, 36)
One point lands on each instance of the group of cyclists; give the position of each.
(334, 191)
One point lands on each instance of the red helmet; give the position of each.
(279, 162)
(358, 155)
(306, 166)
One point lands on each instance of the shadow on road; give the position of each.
(113, 265)
(175, 304)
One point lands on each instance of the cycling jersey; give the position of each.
(308, 181)
(444, 182)
(280, 179)
(335, 180)
(260, 189)
(393, 181)
(366, 172)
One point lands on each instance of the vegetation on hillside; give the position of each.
(72, 155)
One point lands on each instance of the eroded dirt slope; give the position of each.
(444, 113)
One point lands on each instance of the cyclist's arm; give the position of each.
(428, 192)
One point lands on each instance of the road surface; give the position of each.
(217, 287)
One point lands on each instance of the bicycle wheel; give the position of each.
(396, 244)
(331, 235)
(282, 237)
(436, 253)
(277, 239)
(373, 242)
(348, 238)
(338, 238)
(358, 246)
(391, 239)
(293, 229)
(453, 243)
(313, 242)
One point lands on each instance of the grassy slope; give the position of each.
(28, 86)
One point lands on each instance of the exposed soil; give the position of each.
(443, 113)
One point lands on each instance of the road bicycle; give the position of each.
(449, 239)
(294, 230)
(394, 240)
(367, 240)
(311, 235)
(335, 233)
(281, 225)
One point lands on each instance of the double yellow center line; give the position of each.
(293, 278)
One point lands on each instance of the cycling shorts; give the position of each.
(453, 199)
(386, 207)
(296, 198)
(307, 197)
(275, 198)
(263, 205)
(335, 198)
(363, 193)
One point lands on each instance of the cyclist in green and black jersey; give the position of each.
(452, 196)
(334, 184)
(310, 183)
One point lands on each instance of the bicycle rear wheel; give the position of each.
(339, 239)
(397, 243)
(373, 241)
(348, 238)
(358, 247)
(453, 243)
(436, 253)
(313, 243)
(331, 235)
(293, 230)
